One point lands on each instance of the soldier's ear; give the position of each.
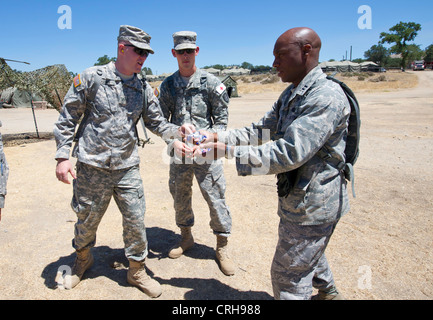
(306, 48)
(173, 52)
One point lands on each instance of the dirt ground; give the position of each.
(381, 250)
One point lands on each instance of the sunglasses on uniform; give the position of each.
(140, 52)
(189, 51)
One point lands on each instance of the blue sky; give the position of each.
(229, 32)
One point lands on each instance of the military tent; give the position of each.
(340, 66)
(236, 71)
(213, 71)
(231, 86)
(15, 98)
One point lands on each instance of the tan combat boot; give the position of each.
(185, 243)
(226, 264)
(137, 276)
(83, 261)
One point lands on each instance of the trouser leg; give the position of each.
(180, 185)
(299, 258)
(92, 192)
(212, 185)
(129, 197)
(323, 278)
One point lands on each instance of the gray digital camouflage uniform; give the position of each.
(4, 174)
(303, 121)
(108, 161)
(203, 102)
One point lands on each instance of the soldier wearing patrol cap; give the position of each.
(106, 151)
(193, 96)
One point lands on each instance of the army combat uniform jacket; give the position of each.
(203, 102)
(109, 138)
(4, 173)
(303, 121)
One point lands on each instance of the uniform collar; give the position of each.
(307, 82)
(194, 81)
(112, 74)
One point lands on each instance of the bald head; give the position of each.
(296, 53)
(303, 36)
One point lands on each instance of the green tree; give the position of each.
(429, 54)
(104, 60)
(377, 53)
(146, 71)
(400, 34)
(415, 52)
(247, 65)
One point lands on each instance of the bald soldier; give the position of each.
(309, 118)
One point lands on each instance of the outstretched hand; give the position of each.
(211, 150)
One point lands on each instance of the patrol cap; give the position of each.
(184, 40)
(135, 36)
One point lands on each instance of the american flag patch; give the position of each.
(77, 81)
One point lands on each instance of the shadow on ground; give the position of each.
(113, 264)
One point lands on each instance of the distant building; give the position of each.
(231, 85)
(236, 71)
(215, 72)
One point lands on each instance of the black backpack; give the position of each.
(353, 134)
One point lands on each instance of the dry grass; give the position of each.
(357, 81)
(383, 82)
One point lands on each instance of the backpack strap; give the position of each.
(90, 99)
(352, 142)
(140, 118)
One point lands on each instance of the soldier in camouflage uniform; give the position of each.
(107, 154)
(4, 174)
(310, 116)
(194, 96)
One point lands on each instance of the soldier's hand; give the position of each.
(213, 150)
(209, 136)
(63, 169)
(186, 129)
(181, 149)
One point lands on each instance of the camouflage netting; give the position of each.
(50, 83)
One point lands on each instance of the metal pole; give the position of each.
(33, 111)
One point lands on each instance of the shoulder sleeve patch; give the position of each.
(156, 92)
(221, 88)
(77, 81)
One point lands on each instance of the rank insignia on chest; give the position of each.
(77, 81)
(156, 92)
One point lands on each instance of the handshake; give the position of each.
(200, 143)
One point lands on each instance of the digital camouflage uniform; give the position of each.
(303, 121)
(107, 154)
(4, 173)
(203, 102)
